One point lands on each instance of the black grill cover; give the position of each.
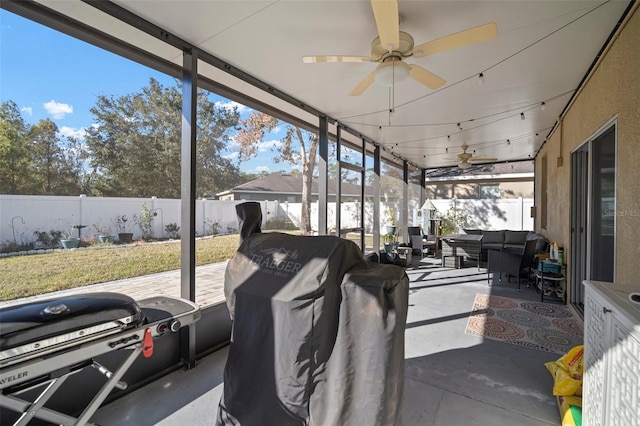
(318, 334)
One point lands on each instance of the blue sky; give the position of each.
(49, 74)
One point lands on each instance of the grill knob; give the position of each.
(175, 325)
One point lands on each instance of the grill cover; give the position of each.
(318, 334)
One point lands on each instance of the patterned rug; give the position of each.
(525, 323)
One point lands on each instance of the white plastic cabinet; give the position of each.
(611, 393)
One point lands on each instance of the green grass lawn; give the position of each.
(23, 276)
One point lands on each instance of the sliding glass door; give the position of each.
(593, 212)
(603, 206)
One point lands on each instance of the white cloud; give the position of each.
(267, 145)
(28, 110)
(261, 169)
(58, 110)
(230, 105)
(232, 155)
(71, 132)
(233, 144)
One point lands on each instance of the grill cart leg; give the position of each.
(36, 408)
(40, 401)
(111, 383)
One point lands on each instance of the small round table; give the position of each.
(548, 282)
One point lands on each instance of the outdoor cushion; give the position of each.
(473, 231)
(515, 238)
(489, 237)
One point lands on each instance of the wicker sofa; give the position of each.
(505, 239)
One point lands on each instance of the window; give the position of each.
(489, 191)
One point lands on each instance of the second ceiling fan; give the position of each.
(392, 46)
(466, 159)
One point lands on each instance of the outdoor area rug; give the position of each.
(525, 323)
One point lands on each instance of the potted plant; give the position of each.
(104, 232)
(69, 241)
(121, 224)
(451, 222)
(391, 223)
(144, 220)
(390, 242)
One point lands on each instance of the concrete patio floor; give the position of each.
(451, 378)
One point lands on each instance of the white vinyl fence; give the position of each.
(507, 213)
(22, 215)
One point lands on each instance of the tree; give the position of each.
(298, 147)
(54, 167)
(136, 145)
(15, 158)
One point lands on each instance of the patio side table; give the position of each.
(550, 282)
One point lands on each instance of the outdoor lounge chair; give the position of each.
(418, 241)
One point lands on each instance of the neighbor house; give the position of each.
(287, 188)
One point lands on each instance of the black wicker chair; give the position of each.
(418, 241)
(511, 261)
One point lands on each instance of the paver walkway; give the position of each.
(209, 286)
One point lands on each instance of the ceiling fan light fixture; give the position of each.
(390, 73)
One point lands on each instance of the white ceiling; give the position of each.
(542, 52)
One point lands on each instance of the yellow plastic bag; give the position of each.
(564, 384)
(567, 372)
(573, 361)
(570, 410)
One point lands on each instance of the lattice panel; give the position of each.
(594, 333)
(624, 384)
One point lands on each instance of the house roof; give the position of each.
(292, 184)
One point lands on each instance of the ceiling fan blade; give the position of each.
(388, 22)
(425, 77)
(335, 58)
(463, 38)
(362, 86)
(482, 160)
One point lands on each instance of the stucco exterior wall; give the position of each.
(612, 92)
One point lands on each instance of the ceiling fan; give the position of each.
(466, 159)
(392, 46)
